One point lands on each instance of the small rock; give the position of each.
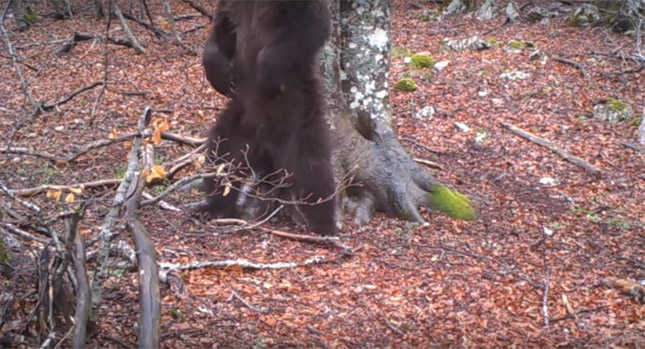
(547, 181)
(537, 55)
(482, 93)
(481, 136)
(455, 7)
(585, 16)
(439, 66)
(544, 22)
(613, 111)
(472, 43)
(514, 75)
(537, 14)
(486, 11)
(59, 128)
(425, 113)
(512, 12)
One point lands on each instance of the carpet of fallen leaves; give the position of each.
(447, 283)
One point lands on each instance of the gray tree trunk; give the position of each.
(356, 67)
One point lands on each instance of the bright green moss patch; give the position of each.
(406, 85)
(421, 61)
(30, 15)
(514, 44)
(453, 203)
(616, 104)
(493, 41)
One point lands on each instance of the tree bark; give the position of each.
(356, 64)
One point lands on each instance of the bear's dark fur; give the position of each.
(263, 54)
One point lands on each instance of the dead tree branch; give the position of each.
(573, 64)
(14, 59)
(107, 232)
(199, 9)
(83, 295)
(133, 40)
(554, 148)
(149, 296)
(83, 186)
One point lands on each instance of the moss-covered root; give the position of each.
(453, 203)
(5, 257)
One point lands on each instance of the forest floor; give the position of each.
(542, 220)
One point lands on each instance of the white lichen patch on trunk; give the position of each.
(365, 60)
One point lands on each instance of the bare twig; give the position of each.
(150, 26)
(389, 324)
(246, 264)
(634, 147)
(573, 64)
(325, 240)
(45, 188)
(14, 59)
(10, 228)
(50, 106)
(641, 128)
(554, 148)
(12, 195)
(253, 308)
(199, 9)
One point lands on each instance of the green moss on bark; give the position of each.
(453, 203)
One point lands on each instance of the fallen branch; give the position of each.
(83, 295)
(50, 106)
(10, 228)
(428, 163)
(158, 32)
(107, 231)
(14, 59)
(634, 147)
(554, 148)
(190, 141)
(389, 324)
(253, 308)
(45, 188)
(84, 149)
(133, 39)
(199, 9)
(13, 194)
(167, 267)
(573, 64)
(641, 128)
(149, 296)
(324, 240)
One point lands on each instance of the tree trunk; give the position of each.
(356, 68)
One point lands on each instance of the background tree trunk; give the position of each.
(356, 65)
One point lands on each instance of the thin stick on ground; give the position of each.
(199, 9)
(14, 58)
(633, 147)
(573, 64)
(253, 308)
(554, 148)
(389, 324)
